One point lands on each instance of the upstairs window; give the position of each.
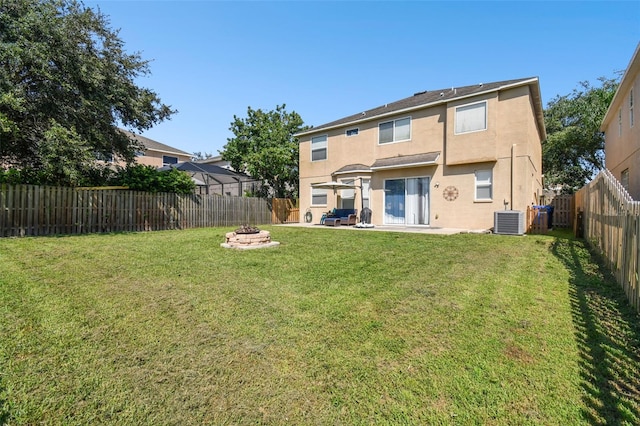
(620, 122)
(471, 118)
(352, 132)
(631, 108)
(484, 185)
(319, 148)
(624, 179)
(394, 131)
(167, 160)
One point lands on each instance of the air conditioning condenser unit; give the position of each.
(510, 222)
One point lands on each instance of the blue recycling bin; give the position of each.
(549, 211)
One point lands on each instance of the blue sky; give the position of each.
(326, 60)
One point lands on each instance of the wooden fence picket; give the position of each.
(27, 210)
(611, 225)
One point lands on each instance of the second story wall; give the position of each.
(361, 143)
(622, 130)
(510, 120)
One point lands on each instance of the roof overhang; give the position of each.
(352, 172)
(406, 161)
(333, 185)
(352, 169)
(532, 82)
(625, 85)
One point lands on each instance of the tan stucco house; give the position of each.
(440, 158)
(622, 133)
(155, 153)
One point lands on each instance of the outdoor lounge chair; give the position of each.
(344, 216)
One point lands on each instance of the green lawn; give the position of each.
(333, 327)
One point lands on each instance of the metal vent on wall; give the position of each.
(509, 222)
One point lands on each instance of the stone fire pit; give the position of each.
(248, 237)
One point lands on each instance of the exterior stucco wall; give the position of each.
(472, 147)
(622, 140)
(510, 147)
(154, 158)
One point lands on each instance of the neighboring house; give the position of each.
(217, 161)
(442, 158)
(156, 154)
(622, 132)
(212, 179)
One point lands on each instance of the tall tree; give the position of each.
(264, 147)
(574, 150)
(65, 79)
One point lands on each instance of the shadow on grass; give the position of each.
(4, 413)
(607, 334)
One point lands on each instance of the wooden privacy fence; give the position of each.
(611, 225)
(537, 221)
(563, 209)
(43, 210)
(284, 210)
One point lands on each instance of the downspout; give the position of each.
(513, 166)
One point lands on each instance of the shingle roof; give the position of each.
(219, 173)
(626, 82)
(406, 161)
(434, 97)
(154, 145)
(350, 168)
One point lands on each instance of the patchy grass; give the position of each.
(332, 327)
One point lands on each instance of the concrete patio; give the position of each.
(393, 228)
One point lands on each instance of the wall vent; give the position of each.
(510, 222)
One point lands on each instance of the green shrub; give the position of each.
(147, 178)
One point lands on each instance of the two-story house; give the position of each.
(622, 134)
(441, 158)
(157, 154)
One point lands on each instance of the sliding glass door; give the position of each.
(406, 201)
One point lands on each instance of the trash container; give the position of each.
(550, 215)
(538, 218)
(365, 215)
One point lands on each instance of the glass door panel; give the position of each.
(394, 192)
(417, 201)
(406, 201)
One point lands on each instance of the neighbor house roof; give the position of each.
(150, 144)
(435, 97)
(220, 174)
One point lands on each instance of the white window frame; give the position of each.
(366, 185)
(356, 130)
(325, 147)
(394, 137)
(467, 107)
(483, 183)
(348, 193)
(319, 192)
(166, 163)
